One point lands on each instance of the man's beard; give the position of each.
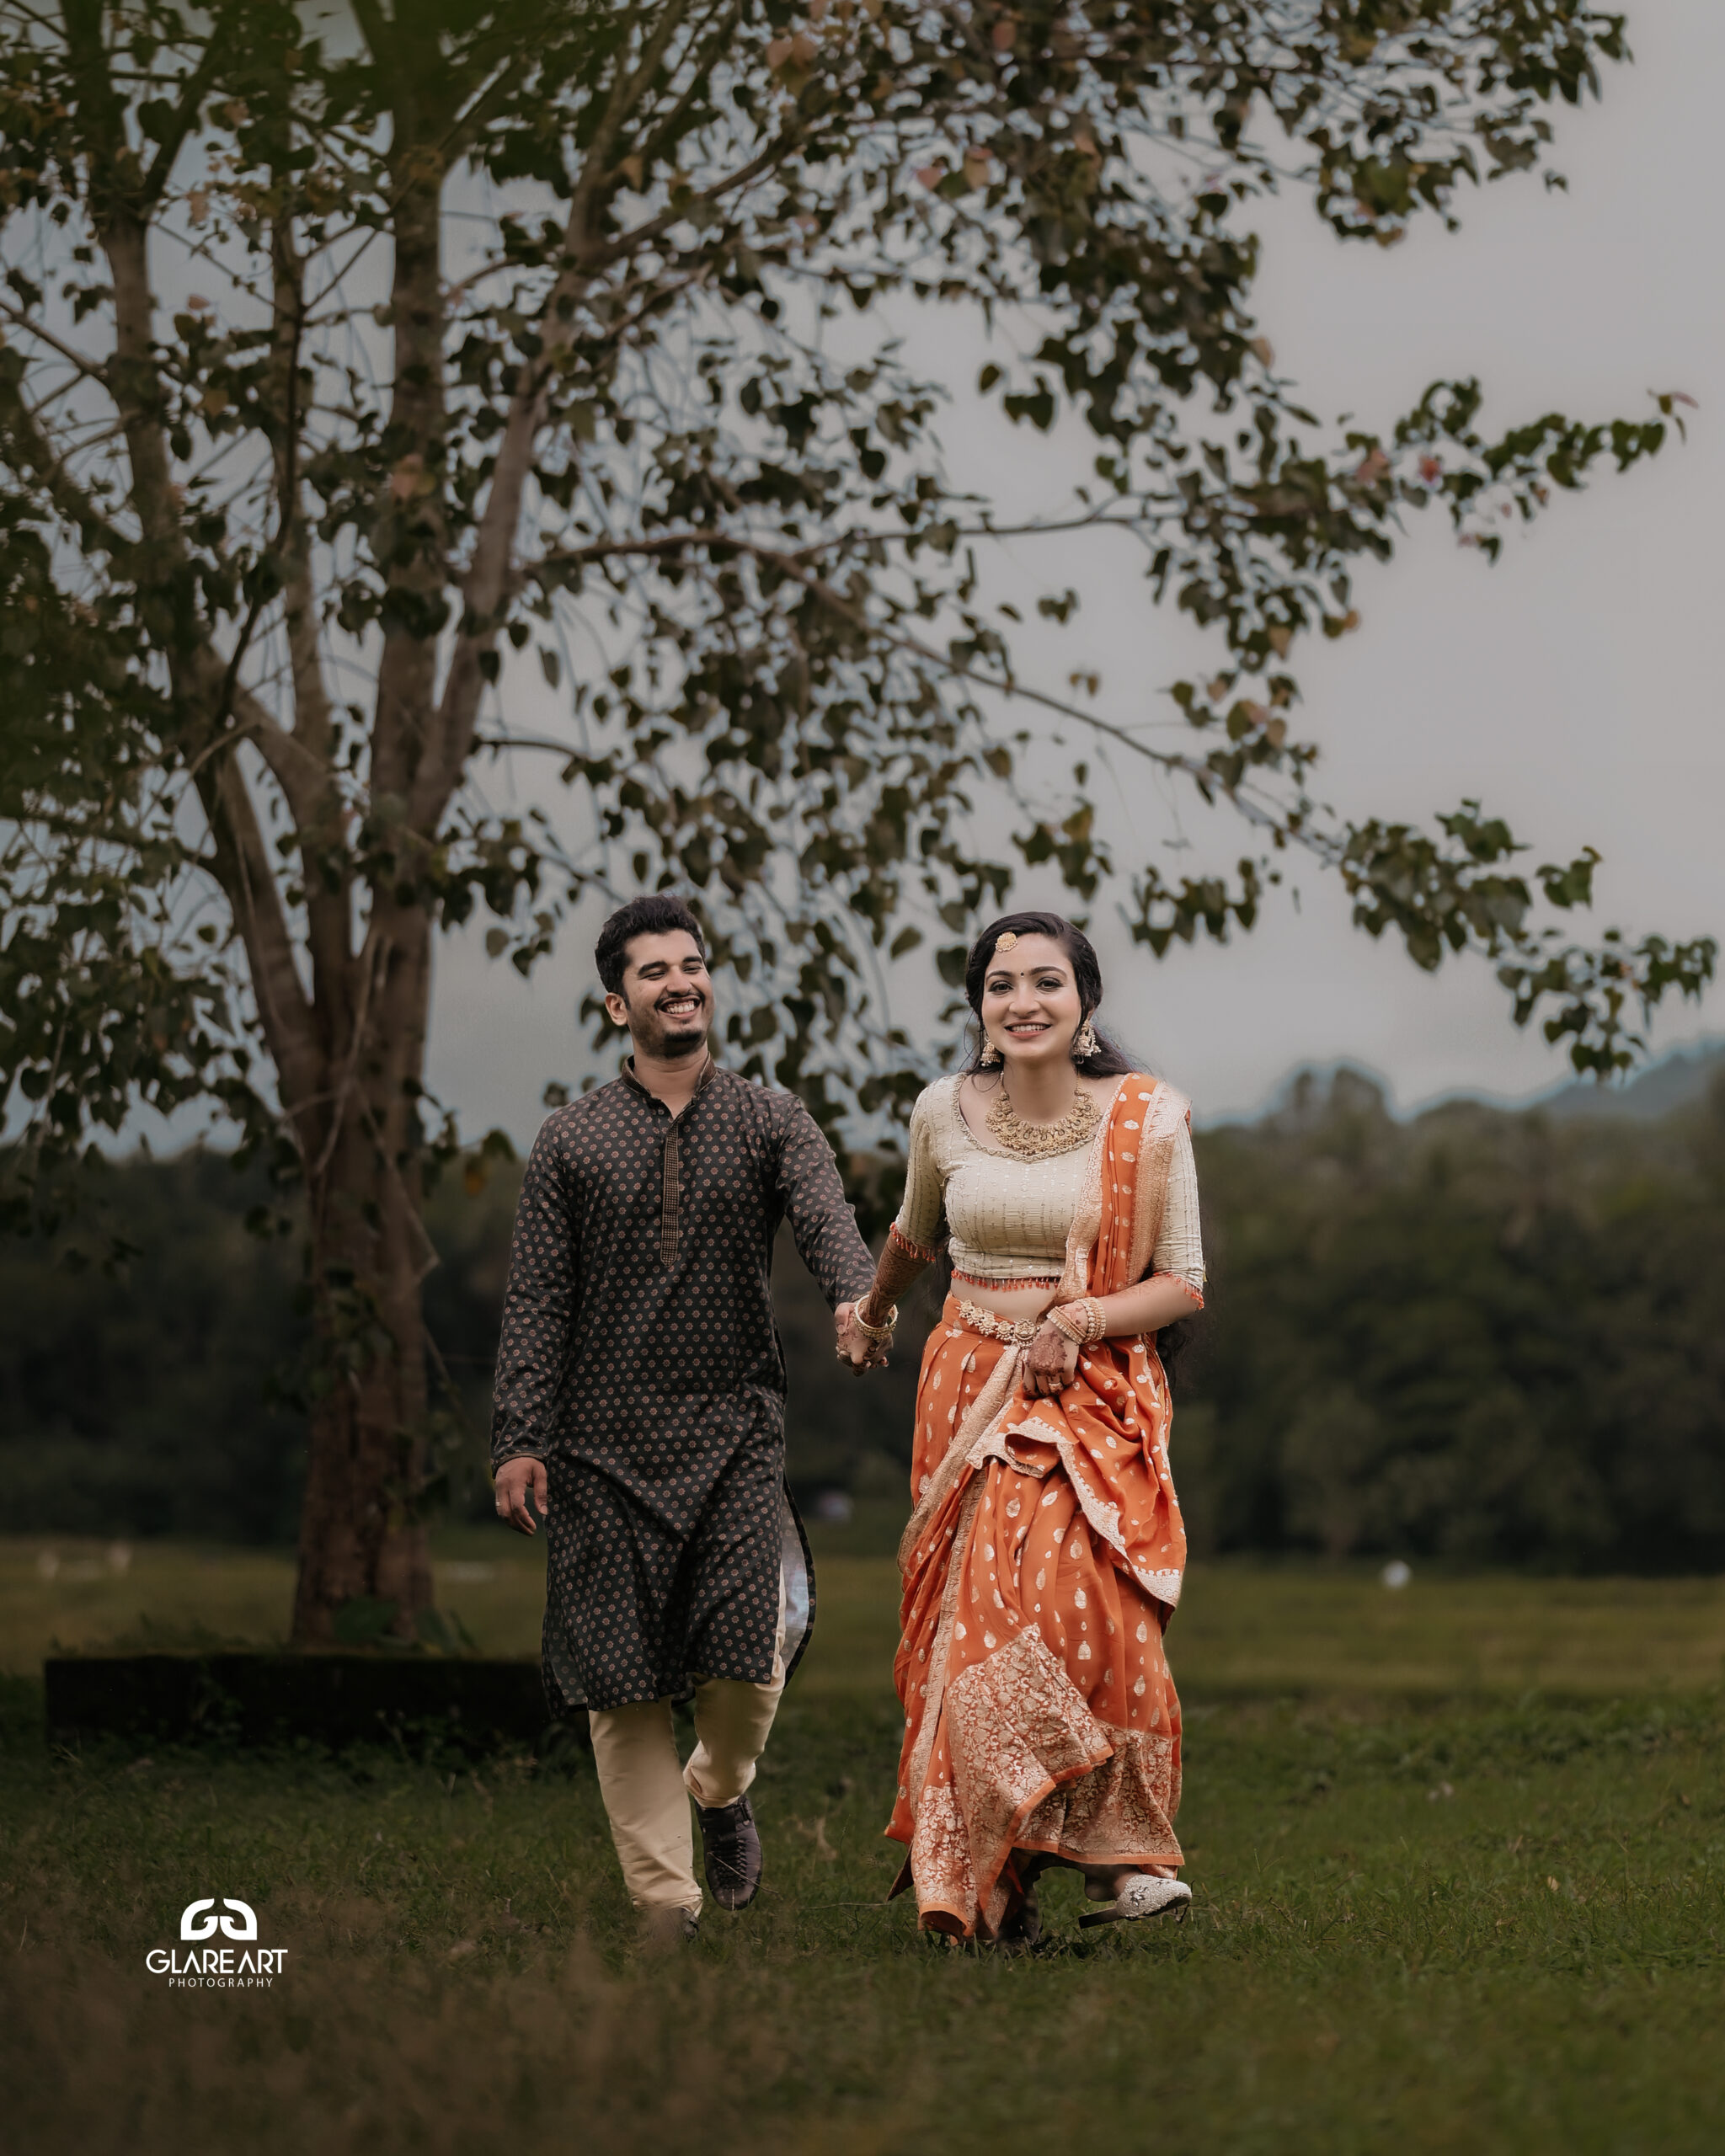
(669, 1037)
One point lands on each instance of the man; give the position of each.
(640, 1401)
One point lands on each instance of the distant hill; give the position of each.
(1673, 1081)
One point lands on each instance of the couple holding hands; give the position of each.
(640, 1411)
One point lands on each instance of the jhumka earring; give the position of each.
(989, 1054)
(1084, 1044)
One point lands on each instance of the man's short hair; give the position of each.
(659, 914)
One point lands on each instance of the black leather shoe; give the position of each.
(732, 1849)
(1021, 1929)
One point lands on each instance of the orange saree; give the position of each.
(1040, 1565)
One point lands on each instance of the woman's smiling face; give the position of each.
(1030, 1004)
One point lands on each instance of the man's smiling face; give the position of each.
(666, 1000)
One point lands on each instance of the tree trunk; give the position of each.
(362, 1542)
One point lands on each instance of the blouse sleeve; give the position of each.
(918, 1223)
(1179, 1243)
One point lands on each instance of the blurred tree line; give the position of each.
(1482, 1334)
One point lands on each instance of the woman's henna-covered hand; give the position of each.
(1051, 1364)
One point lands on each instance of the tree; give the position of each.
(350, 355)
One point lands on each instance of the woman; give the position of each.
(1045, 1554)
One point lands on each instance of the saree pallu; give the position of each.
(1040, 1567)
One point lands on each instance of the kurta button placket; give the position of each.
(670, 1174)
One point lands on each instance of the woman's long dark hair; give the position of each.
(1110, 1061)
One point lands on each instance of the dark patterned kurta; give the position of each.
(640, 1361)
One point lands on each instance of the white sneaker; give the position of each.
(1144, 1894)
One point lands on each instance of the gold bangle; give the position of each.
(874, 1331)
(1080, 1321)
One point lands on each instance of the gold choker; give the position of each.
(1036, 1141)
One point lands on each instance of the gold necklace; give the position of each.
(1036, 1141)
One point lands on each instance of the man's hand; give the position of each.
(1051, 1364)
(855, 1347)
(515, 1479)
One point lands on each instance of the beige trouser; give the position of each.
(646, 1792)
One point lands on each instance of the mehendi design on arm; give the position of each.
(895, 1268)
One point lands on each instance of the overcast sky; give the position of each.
(1570, 686)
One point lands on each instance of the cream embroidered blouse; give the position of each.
(1008, 1218)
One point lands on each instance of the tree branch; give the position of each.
(185, 113)
(90, 369)
(38, 455)
(795, 566)
(243, 868)
(698, 67)
(624, 96)
(420, 575)
(311, 695)
(487, 584)
(204, 686)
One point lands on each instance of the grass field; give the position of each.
(1243, 1631)
(1458, 1854)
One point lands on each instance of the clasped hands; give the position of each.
(855, 1350)
(1049, 1367)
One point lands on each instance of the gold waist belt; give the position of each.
(1017, 1332)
